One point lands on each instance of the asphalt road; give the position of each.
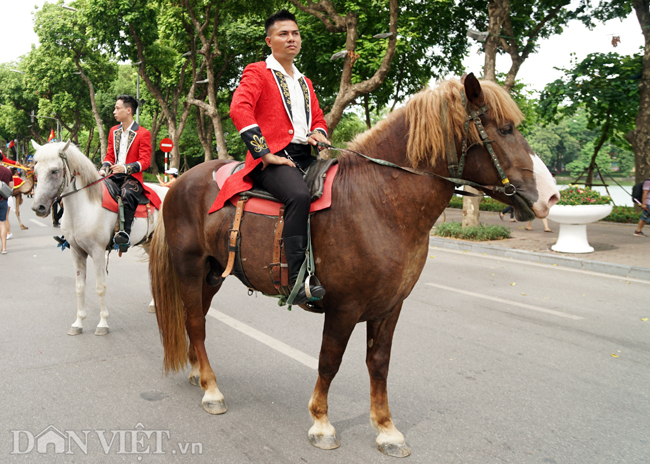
(494, 361)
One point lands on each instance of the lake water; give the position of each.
(619, 196)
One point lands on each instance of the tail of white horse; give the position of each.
(166, 291)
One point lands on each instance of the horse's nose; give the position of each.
(553, 200)
(40, 210)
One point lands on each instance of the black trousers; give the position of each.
(287, 185)
(130, 190)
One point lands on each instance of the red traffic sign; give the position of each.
(166, 145)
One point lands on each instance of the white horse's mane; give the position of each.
(79, 164)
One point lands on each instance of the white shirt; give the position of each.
(300, 123)
(124, 145)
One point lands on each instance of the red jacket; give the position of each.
(138, 155)
(261, 114)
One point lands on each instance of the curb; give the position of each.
(575, 263)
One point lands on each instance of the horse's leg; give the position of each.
(390, 441)
(99, 261)
(19, 200)
(195, 372)
(336, 334)
(79, 258)
(197, 295)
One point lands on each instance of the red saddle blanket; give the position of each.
(18, 182)
(272, 208)
(141, 211)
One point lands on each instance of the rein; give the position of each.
(455, 167)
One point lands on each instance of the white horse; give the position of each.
(88, 227)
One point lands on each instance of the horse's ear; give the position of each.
(473, 90)
(66, 145)
(35, 145)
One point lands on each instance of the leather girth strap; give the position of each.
(233, 236)
(279, 266)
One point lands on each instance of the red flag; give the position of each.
(52, 135)
(11, 144)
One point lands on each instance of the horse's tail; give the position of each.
(170, 312)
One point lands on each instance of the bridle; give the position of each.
(73, 178)
(454, 165)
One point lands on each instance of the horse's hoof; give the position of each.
(325, 442)
(101, 330)
(195, 380)
(152, 309)
(215, 407)
(396, 450)
(75, 330)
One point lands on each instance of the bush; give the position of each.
(487, 204)
(478, 233)
(623, 214)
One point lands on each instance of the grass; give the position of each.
(478, 233)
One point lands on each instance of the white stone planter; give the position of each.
(573, 222)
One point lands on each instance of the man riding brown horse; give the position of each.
(278, 117)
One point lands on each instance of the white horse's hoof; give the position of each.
(215, 407)
(195, 380)
(75, 330)
(324, 442)
(152, 309)
(396, 450)
(101, 330)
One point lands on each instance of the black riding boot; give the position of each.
(123, 238)
(294, 249)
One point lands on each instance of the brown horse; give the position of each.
(24, 189)
(370, 246)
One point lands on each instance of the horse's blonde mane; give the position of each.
(423, 113)
(79, 164)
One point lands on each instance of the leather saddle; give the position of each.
(314, 178)
(114, 192)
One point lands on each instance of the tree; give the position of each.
(516, 29)
(606, 86)
(427, 40)
(63, 35)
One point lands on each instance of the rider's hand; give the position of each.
(270, 158)
(316, 137)
(102, 173)
(118, 169)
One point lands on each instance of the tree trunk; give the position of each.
(498, 11)
(592, 164)
(639, 138)
(91, 133)
(366, 107)
(471, 208)
(93, 103)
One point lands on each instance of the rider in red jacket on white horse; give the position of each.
(128, 155)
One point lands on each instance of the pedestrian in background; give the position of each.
(645, 216)
(7, 178)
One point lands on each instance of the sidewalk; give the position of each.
(617, 251)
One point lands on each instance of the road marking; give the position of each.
(508, 302)
(38, 223)
(261, 337)
(547, 266)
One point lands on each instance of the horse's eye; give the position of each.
(506, 130)
(55, 171)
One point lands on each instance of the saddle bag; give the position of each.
(5, 190)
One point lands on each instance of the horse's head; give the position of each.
(535, 189)
(50, 174)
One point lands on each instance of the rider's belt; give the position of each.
(233, 236)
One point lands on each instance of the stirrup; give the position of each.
(122, 241)
(319, 294)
